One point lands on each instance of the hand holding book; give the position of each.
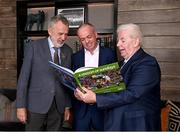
(88, 97)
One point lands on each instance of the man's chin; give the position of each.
(60, 45)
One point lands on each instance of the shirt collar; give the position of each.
(95, 51)
(50, 43)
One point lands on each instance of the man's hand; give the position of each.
(22, 115)
(67, 114)
(88, 97)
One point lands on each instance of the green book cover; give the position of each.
(102, 79)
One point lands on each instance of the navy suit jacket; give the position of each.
(37, 83)
(138, 107)
(106, 55)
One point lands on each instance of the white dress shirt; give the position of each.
(92, 60)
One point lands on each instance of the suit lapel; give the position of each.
(100, 57)
(46, 50)
(134, 59)
(82, 58)
(63, 56)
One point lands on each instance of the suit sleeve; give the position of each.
(23, 81)
(143, 79)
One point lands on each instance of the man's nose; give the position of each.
(63, 37)
(118, 43)
(86, 40)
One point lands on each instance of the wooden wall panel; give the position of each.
(7, 44)
(8, 53)
(7, 33)
(8, 83)
(131, 5)
(8, 11)
(170, 81)
(169, 42)
(170, 94)
(9, 63)
(161, 29)
(166, 55)
(152, 16)
(6, 74)
(8, 78)
(8, 22)
(7, 3)
(170, 69)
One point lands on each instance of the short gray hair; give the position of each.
(136, 31)
(86, 24)
(56, 19)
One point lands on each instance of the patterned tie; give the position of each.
(56, 56)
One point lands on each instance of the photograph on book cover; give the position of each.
(103, 79)
(75, 16)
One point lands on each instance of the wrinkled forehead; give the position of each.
(85, 31)
(124, 34)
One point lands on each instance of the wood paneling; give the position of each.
(7, 33)
(7, 3)
(8, 11)
(169, 81)
(152, 16)
(161, 29)
(170, 69)
(7, 74)
(8, 78)
(8, 22)
(165, 55)
(7, 44)
(169, 42)
(8, 83)
(9, 63)
(8, 53)
(130, 5)
(170, 94)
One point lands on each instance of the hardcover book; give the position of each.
(102, 79)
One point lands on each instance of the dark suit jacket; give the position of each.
(37, 83)
(106, 55)
(138, 107)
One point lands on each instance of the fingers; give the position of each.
(76, 94)
(80, 94)
(22, 115)
(88, 97)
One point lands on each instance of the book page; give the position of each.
(83, 69)
(64, 69)
(65, 75)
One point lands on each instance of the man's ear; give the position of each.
(137, 42)
(50, 31)
(96, 35)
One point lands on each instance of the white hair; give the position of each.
(135, 30)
